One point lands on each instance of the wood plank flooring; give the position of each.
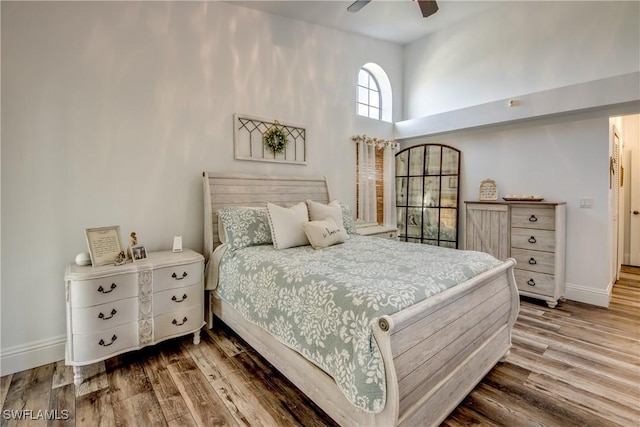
(575, 365)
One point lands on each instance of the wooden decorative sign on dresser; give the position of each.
(115, 309)
(533, 233)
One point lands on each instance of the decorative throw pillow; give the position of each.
(322, 234)
(286, 225)
(244, 226)
(338, 211)
(348, 220)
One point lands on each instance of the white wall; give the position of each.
(538, 53)
(560, 160)
(112, 110)
(518, 48)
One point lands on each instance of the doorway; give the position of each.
(627, 245)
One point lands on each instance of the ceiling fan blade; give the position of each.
(428, 7)
(357, 5)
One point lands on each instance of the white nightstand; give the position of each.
(115, 309)
(376, 230)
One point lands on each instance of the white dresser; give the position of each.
(115, 309)
(533, 233)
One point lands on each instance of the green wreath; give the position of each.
(275, 139)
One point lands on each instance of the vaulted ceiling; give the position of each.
(397, 21)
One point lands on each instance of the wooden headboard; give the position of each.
(222, 190)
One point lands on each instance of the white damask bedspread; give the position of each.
(322, 303)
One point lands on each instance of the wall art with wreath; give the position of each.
(269, 140)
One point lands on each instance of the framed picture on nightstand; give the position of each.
(138, 253)
(104, 244)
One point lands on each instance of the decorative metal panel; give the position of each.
(249, 145)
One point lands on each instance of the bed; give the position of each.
(432, 353)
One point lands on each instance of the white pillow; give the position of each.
(320, 211)
(286, 225)
(322, 234)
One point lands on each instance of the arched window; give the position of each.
(368, 95)
(373, 97)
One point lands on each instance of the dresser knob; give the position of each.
(101, 289)
(101, 316)
(532, 239)
(102, 343)
(175, 322)
(184, 297)
(532, 261)
(175, 276)
(533, 218)
(531, 282)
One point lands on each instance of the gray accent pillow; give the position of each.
(245, 226)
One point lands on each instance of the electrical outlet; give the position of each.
(586, 203)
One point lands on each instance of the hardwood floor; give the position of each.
(573, 365)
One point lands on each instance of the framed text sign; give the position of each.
(104, 244)
(488, 190)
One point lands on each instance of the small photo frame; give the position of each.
(138, 253)
(104, 244)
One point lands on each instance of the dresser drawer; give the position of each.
(542, 262)
(538, 283)
(540, 218)
(105, 316)
(85, 293)
(538, 240)
(177, 276)
(178, 299)
(178, 322)
(99, 345)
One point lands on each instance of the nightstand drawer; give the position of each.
(178, 322)
(178, 299)
(537, 240)
(533, 217)
(85, 293)
(539, 283)
(104, 316)
(98, 345)
(542, 262)
(177, 276)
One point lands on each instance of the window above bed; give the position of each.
(373, 93)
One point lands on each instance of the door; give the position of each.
(632, 178)
(614, 201)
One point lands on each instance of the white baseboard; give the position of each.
(599, 297)
(36, 353)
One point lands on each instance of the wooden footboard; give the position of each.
(441, 348)
(434, 352)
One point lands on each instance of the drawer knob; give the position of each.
(531, 282)
(532, 239)
(101, 289)
(532, 261)
(101, 316)
(174, 298)
(175, 276)
(533, 218)
(102, 343)
(175, 322)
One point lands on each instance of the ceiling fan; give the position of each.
(427, 7)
